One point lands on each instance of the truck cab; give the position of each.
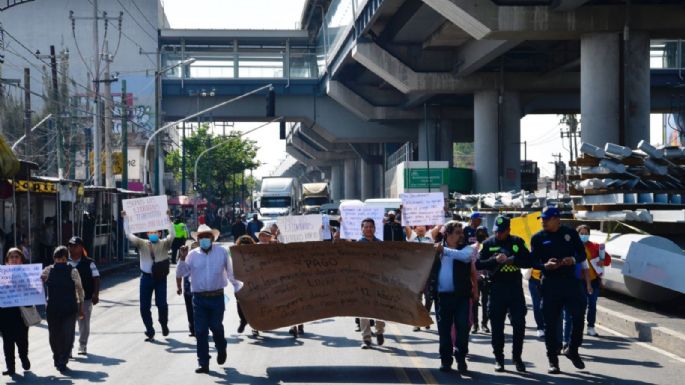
(279, 196)
(314, 195)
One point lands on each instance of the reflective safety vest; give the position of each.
(181, 230)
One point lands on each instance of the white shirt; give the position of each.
(208, 271)
(161, 248)
(93, 269)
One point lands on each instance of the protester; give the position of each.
(452, 284)
(244, 240)
(210, 269)
(12, 327)
(264, 237)
(239, 228)
(254, 226)
(187, 295)
(418, 235)
(181, 235)
(565, 328)
(556, 250)
(275, 233)
(597, 259)
(368, 235)
(152, 250)
(392, 230)
(470, 230)
(483, 279)
(90, 279)
(503, 255)
(64, 304)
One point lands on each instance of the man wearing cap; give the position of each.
(555, 250)
(181, 231)
(151, 250)
(392, 230)
(210, 269)
(502, 256)
(90, 279)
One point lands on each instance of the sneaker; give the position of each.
(462, 367)
(191, 334)
(293, 331)
(300, 329)
(485, 328)
(165, 330)
(475, 329)
(25, 363)
(576, 360)
(221, 357)
(380, 339)
(82, 351)
(541, 333)
(416, 328)
(202, 369)
(592, 332)
(366, 345)
(255, 333)
(553, 368)
(520, 366)
(428, 327)
(9, 372)
(150, 339)
(241, 327)
(499, 366)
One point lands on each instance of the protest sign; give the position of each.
(423, 209)
(301, 282)
(300, 228)
(147, 214)
(351, 220)
(326, 221)
(526, 226)
(20, 285)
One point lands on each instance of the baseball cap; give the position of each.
(475, 215)
(391, 212)
(501, 224)
(549, 212)
(75, 241)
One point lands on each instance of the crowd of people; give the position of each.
(472, 269)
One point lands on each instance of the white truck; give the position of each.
(313, 196)
(279, 196)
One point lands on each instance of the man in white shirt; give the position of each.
(210, 269)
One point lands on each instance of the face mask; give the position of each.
(585, 238)
(154, 238)
(205, 243)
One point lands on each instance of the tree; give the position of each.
(220, 171)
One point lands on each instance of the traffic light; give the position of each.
(271, 103)
(282, 130)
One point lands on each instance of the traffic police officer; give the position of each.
(556, 250)
(502, 256)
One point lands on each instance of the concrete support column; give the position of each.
(511, 136)
(350, 189)
(637, 89)
(380, 180)
(485, 141)
(336, 182)
(599, 88)
(367, 179)
(427, 140)
(446, 142)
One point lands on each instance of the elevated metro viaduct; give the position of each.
(363, 74)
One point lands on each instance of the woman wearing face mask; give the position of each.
(14, 331)
(597, 259)
(153, 249)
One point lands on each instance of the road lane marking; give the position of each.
(425, 374)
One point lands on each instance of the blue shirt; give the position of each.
(446, 274)
(363, 239)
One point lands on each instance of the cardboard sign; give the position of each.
(302, 282)
(147, 214)
(423, 209)
(526, 226)
(20, 285)
(351, 220)
(300, 228)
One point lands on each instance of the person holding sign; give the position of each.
(154, 252)
(14, 330)
(210, 269)
(65, 302)
(502, 256)
(452, 285)
(368, 235)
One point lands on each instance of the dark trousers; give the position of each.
(14, 333)
(484, 290)
(557, 294)
(147, 286)
(61, 330)
(241, 315)
(592, 302)
(209, 315)
(507, 298)
(175, 246)
(452, 310)
(188, 298)
(536, 295)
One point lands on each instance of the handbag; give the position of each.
(160, 269)
(30, 315)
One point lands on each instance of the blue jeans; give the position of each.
(147, 286)
(209, 315)
(534, 288)
(592, 303)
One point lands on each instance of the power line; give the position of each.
(138, 24)
(129, 38)
(154, 27)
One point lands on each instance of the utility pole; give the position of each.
(109, 177)
(58, 113)
(183, 160)
(124, 136)
(27, 112)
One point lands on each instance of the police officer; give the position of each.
(555, 250)
(502, 256)
(481, 234)
(180, 239)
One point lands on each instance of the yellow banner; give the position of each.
(35, 187)
(117, 163)
(290, 284)
(526, 226)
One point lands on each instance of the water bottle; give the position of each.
(602, 253)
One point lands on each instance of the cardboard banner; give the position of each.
(20, 285)
(300, 228)
(301, 282)
(146, 214)
(423, 209)
(351, 220)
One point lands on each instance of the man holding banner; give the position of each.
(368, 231)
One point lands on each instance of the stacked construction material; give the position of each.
(619, 183)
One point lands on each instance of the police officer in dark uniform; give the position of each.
(503, 255)
(555, 250)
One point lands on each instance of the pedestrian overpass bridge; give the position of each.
(362, 77)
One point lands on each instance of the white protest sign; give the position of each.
(300, 228)
(352, 216)
(423, 209)
(20, 285)
(326, 227)
(147, 214)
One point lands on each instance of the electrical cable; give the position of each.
(137, 23)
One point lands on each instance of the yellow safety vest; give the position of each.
(180, 229)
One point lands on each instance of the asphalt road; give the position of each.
(328, 353)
